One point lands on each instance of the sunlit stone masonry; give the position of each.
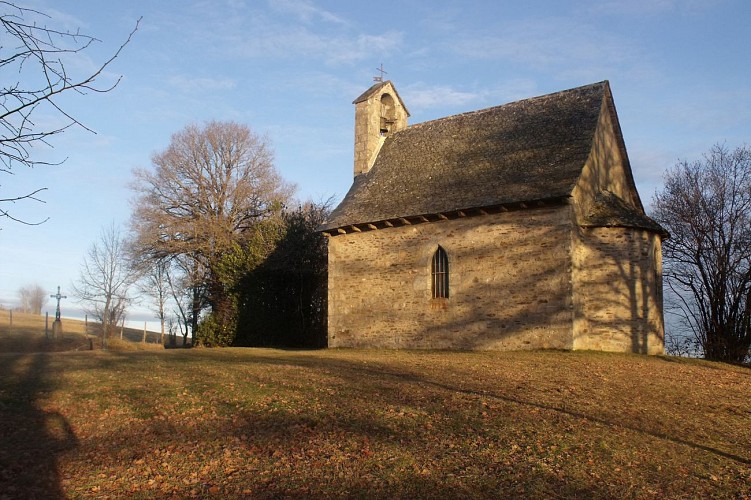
(512, 227)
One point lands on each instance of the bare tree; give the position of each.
(39, 297)
(706, 207)
(185, 290)
(36, 61)
(24, 297)
(154, 284)
(105, 279)
(212, 184)
(32, 298)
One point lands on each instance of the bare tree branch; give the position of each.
(104, 280)
(32, 298)
(706, 207)
(37, 55)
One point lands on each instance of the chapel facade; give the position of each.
(512, 227)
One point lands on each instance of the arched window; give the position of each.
(440, 272)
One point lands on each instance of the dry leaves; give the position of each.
(266, 423)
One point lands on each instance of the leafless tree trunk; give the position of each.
(24, 297)
(154, 284)
(105, 279)
(182, 289)
(36, 71)
(706, 207)
(171, 329)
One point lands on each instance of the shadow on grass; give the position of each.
(31, 439)
(579, 415)
(318, 426)
(368, 377)
(356, 373)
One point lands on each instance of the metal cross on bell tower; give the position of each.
(382, 72)
(58, 297)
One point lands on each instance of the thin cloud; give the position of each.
(715, 110)
(556, 43)
(51, 17)
(365, 46)
(423, 97)
(287, 30)
(275, 42)
(193, 85)
(651, 7)
(306, 11)
(322, 85)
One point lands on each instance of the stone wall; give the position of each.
(617, 283)
(510, 284)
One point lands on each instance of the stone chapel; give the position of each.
(513, 227)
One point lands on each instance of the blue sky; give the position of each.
(680, 71)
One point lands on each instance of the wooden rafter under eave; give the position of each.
(441, 216)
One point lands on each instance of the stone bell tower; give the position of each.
(379, 112)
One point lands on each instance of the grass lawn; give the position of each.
(259, 423)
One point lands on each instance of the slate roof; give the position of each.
(534, 149)
(608, 210)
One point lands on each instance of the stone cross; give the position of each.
(58, 297)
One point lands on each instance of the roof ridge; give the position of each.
(603, 83)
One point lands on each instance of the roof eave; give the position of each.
(339, 228)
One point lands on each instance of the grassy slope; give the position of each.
(28, 335)
(269, 423)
